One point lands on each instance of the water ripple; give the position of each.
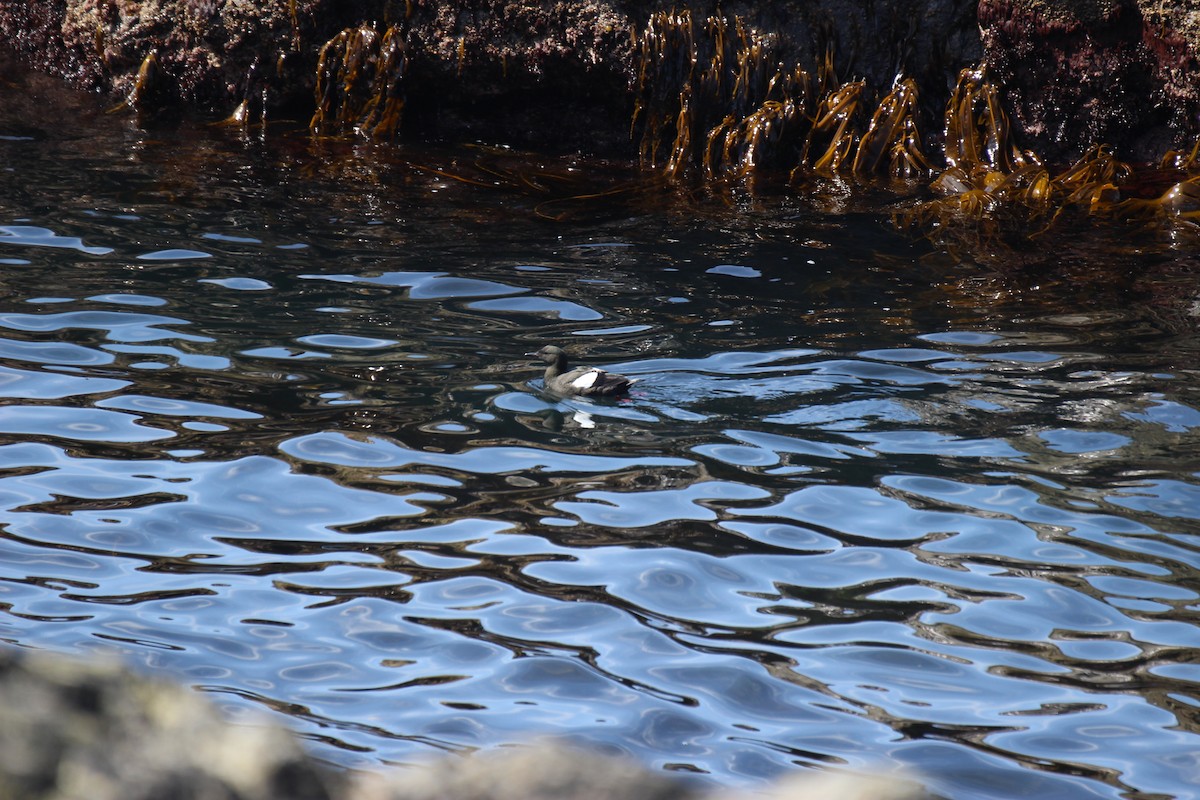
(375, 453)
(44, 237)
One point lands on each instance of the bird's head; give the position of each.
(549, 354)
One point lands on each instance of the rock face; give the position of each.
(71, 730)
(559, 74)
(1077, 72)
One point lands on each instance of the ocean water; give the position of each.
(268, 428)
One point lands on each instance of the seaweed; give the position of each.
(714, 99)
(360, 84)
(149, 94)
(713, 102)
(892, 143)
(831, 133)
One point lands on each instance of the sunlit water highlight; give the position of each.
(269, 429)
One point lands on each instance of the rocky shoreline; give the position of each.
(561, 75)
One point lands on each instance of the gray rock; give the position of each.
(543, 771)
(76, 730)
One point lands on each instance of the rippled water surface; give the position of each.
(268, 428)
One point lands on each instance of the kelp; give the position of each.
(713, 99)
(1182, 201)
(763, 138)
(697, 85)
(978, 133)
(990, 185)
(667, 62)
(987, 178)
(360, 84)
(892, 142)
(147, 84)
(831, 134)
(147, 95)
(269, 85)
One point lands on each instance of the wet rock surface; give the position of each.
(1078, 72)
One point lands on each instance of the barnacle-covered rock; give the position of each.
(1077, 72)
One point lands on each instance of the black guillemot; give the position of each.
(581, 381)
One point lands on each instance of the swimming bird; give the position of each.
(581, 381)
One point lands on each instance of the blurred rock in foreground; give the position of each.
(72, 729)
(94, 730)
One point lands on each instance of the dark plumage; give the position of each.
(581, 381)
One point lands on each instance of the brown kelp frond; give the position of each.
(891, 140)
(1179, 204)
(769, 137)
(1182, 201)
(146, 84)
(1096, 166)
(1026, 195)
(889, 148)
(1091, 186)
(978, 133)
(755, 142)
(711, 97)
(668, 58)
(1175, 159)
(385, 106)
(712, 100)
(832, 138)
(360, 84)
(989, 177)
(147, 96)
(341, 84)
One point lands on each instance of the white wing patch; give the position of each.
(588, 379)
